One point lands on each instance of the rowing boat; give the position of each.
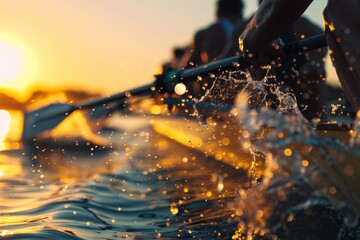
(224, 139)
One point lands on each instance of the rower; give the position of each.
(212, 42)
(274, 18)
(301, 74)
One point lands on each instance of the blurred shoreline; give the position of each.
(9, 100)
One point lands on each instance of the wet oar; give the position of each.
(47, 118)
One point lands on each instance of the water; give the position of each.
(125, 181)
(141, 188)
(310, 186)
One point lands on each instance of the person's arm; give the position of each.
(270, 21)
(195, 58)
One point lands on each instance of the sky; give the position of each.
(104, 46)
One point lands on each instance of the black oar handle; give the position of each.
(139, 91)
(238, 62)
(306, 44)
(168, 81)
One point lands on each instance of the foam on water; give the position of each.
(310, 185)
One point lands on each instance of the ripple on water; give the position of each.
(139, 199)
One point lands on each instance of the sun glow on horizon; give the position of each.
(18, 65)
(5, 119)
(11, 63)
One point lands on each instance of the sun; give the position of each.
(18, 66)
(11, 63)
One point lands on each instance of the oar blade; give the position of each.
(44, 119)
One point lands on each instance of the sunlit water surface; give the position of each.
(142, 187)
(137, 184)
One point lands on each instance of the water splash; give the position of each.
(308, 178)
(355, 138)
(308, 181)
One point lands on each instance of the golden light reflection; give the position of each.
(77, 125)
(178, 135)
(211, 141)
(11, 126)
(5, 119)
(6, 233)
(10, 167)
(174, 210)
(155, 109)
(180, 89)
(305, 163)
(288, 152)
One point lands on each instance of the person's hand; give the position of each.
(267, 55)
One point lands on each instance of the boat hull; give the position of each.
(227, 141)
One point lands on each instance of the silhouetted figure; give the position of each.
(175, 61)
(302, 74)
(212, 42)
(274, 17)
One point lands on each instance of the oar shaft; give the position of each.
(306, 44)
(220, 66)
(238, 62)
(139, 91)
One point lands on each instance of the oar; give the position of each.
(47, 118)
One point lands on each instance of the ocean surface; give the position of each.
(123, 180)
(139, 186)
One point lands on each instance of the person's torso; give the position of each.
(215, 38)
